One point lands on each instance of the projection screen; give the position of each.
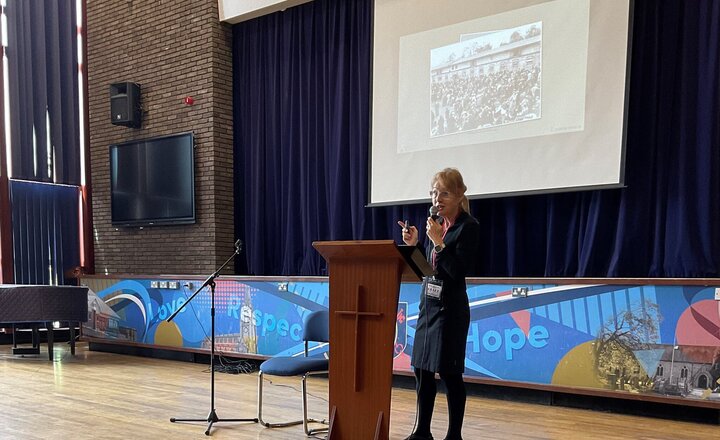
(521, 96)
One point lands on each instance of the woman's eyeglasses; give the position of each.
(439, 194)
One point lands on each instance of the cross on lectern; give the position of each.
(357, 314)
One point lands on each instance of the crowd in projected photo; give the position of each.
(487, 80)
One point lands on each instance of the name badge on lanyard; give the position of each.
(433, 288)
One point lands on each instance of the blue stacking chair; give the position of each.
(316, 327)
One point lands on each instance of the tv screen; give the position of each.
(152, 181)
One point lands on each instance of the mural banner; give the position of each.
(655, 339)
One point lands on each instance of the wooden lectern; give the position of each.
(364, 286)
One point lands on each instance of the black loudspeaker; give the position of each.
(125, 107)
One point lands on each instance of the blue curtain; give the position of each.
(301, 130)
(45, 139)
(45, 232)
(43, 79)
(302, 106)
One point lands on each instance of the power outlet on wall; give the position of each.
(519, 292)
(717, 294)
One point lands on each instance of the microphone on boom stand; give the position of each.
(210, 281)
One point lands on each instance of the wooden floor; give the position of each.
(108, 396)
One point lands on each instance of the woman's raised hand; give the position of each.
(409, 233)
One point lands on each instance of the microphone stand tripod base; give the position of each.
(212, 418)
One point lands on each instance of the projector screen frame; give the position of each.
(515, 193)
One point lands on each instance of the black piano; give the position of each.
(30, 305)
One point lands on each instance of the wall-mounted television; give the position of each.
(152, 181)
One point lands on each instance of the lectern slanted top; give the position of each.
(364, 286)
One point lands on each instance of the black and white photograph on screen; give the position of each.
(494, 82)
(488, 79)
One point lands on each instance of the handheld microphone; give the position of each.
(238, 246)
(434, 212)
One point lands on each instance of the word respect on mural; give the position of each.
(266, 322)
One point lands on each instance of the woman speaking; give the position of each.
(444, 318)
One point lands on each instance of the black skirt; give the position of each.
(441, 332)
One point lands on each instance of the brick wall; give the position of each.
(173, 49)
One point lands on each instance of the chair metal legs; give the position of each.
(260, 401)
(305, 420)
(309, 431)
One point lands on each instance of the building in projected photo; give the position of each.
(487, 80)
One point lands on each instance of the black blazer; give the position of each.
(442, 325)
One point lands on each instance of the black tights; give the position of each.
(426, 391)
